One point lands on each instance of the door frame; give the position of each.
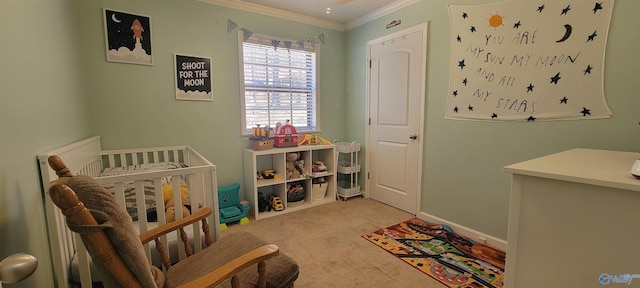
(422, 27)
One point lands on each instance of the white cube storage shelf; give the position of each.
(275, 159)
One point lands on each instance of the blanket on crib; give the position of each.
(149, 191)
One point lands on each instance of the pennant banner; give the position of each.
(514, 61)
(231, 26)
(246, 34)
(322, 37)
(275, 44)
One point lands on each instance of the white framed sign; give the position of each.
(193, 77)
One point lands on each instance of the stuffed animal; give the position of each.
(170, 212)
(167, 193)
(299, 165)
(169, 206)
(292, 172)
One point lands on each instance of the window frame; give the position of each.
(246, 132)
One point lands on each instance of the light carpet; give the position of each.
(327, 243)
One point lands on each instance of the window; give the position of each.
(279, 83)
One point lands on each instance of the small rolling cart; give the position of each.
(348, 169)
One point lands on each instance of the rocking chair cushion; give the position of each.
(118, 226)
(282, 271)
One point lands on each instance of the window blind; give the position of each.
(279, 85)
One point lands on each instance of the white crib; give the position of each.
(86, 157)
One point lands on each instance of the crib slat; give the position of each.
(123, 160)
(141, 208)
(83, 262)
(160, 212)
(156, 156)
(165, 155)
(177, 201)
(197, 198)
(134, 158)
(141, 205)
(112, 161)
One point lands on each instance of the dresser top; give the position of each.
(588, 166)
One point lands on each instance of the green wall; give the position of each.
(42, 106)
(134, 105)
(462, 178)
(58, 88)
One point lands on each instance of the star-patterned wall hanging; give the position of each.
(528, 60)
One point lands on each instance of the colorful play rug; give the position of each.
(436, 250)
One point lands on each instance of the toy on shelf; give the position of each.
(263, 204)
(319, 167)
(285, 135)
(319, 188)
(262, 138)
(295, 194)
(276, 203)
(230, 206)
(295, 166)
(268, 174)
(319, 180)
(312, 139)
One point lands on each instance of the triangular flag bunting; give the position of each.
(231, 25)
(321, 37)
(246, 34)
(275, 44)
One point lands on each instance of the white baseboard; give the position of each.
(467, 232)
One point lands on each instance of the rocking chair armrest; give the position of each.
(155, 233)
(230, 269)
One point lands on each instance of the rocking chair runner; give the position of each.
(119, 256)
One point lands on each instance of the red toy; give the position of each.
(286, 136)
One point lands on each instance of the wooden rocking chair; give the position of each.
(107, 231)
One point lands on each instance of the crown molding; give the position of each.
(282, 14)
(278, 13)
(386, 10)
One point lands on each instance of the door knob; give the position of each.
(413, 136)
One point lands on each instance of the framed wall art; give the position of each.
(128, 37)
(193, 77)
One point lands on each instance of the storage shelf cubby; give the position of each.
(256, 161)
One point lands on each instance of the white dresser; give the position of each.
(574, 221)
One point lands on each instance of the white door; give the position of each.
(396, 116)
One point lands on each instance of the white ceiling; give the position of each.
(345, 14)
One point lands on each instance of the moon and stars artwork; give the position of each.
(128, 37)
(528, 61)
